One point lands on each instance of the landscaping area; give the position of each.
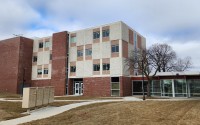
(84, 98)
(141, 112)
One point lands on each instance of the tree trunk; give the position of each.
(148, 88)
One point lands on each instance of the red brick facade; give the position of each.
(125, 86)
(96, 86)
(15, 63)
(59, 62)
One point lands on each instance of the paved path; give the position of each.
(51, 111)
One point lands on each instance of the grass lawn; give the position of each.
(83, 98)
(11, 110)
(9, 95)
(129, 113)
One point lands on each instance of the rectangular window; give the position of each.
(34, 58)
(96, 35)
(115, 48)
(79, 53)
(88, 52)
(50, 57)
(115, 86)
(106, 33)
(106, 66)
(73, 39)
(45, 70)
(47, 44)
(96, 67)
(40, 44)
(39, 71)
(73, 69)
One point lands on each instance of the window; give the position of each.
(96, 67)
(115, 48)
(106, 33)
(115, 86)
(106, 66)
(73, 39)
(39, 71)
(45, 70)
(79, 53)
(88, 52)
(34, 58)
(50, 57)
(47, 44)
(40, 44)
(96, 35)
(73, 69)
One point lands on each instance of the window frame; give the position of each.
(106, 68)
(47, 71)
(116, 48)
(39, 71)
(73, 69)
(96, 67)
(106, 33)
(88, 52)
(96, 35)
(34, 58)
(79, 53)
(41, 45)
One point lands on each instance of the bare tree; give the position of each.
(158, 58)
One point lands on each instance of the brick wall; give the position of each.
(16, 54)
(96, 86)
(125, 86)
(59, 62)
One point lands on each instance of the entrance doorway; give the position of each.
(137, 87)
(78, 88)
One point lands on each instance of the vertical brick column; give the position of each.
(59, 62)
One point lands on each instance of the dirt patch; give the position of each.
(129, 113)
(9, 95)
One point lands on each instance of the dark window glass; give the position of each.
(96, 35)
(41, 45)
(88, 52)
(73, 69)
(39, 71)
(96, 67)
(106, 66)
(79, 53)
(106, 33)
(115, 79)
(34, 58)
(115, 48)
(50, 57)
(45, 71)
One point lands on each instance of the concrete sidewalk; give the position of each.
(51, 111)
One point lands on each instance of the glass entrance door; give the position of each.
(166, 87)
(76, 88)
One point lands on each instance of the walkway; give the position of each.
(51, 111)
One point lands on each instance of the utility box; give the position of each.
(51, 94)
(37, 96)
(29, 97)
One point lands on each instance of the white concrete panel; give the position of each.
(106, 49)
(80, 38)
(35, 45)
(115, 31)
(88, 68)
(40, 58)
(34, 72)
(125, 67)
(115, 66)
(80, 68)
(130, 49)
(88, 36)
(72, 54)
(50, 69)
(96, 51)
(143, 42)
(125, 32)
(46, 56)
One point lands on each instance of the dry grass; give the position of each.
(9, 95)
(84, 98)
(10, 110)
(129, 113)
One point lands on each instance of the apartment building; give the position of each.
(85, 62)
(93, 60)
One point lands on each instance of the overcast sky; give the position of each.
(176, 22)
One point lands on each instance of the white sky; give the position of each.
(176, 22)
